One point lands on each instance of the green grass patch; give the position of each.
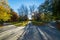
(38, 23)
(23, 23)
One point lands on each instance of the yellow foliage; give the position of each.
(4, 14)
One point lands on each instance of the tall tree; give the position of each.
(4, 14)
(32, 8)
(23, 10)
(56, 9)
(46, 8)
(5, 4)
(14, 16)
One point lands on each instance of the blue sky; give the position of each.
(15, 4)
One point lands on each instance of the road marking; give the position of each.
(51, 26)
(42, 33)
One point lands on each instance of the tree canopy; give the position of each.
(4, 15)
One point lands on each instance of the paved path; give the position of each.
(11, 34)
(7, 27)
(31, 32)
(46, 32)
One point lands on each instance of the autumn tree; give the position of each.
(4, 14)
(14, 16)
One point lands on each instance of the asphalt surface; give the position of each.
(11, 33)
(31, 32)
(45, 32)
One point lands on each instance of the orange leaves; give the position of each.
(14, 16)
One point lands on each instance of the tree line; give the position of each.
(9, 15)
(46, 12)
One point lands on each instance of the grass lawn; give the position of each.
(38, 23)
(23, 23)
